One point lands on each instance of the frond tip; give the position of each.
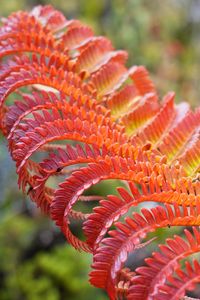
(94, 119)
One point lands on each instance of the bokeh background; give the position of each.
(35, 261)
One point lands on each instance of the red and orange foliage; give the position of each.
(79, 89)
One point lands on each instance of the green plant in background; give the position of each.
(52, 276)
(28, 272)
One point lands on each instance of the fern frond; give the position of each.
(163, 264)
(112, 254)
(183, 281)
(78, 89)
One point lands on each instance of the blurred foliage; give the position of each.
(29, 272)
(164, 36)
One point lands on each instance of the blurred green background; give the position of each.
(35, 260)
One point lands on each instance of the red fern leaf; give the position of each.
(110, 257)
(163, 264)
(78, 89)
